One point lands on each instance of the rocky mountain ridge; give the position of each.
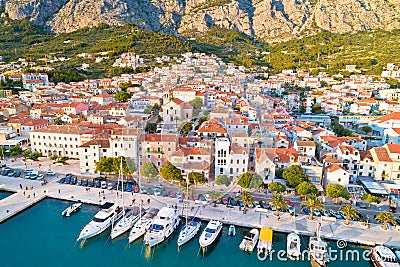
(268, 20)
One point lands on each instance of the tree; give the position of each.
(370, 198)
(245, 179)
(312, 202)
(58, 121)
(306, 188)
(35, 155)
(349, 212)
(185, 189)
(196, 103)
(279, 202)
(170, 172)
(214, 196)
(26, 154)
(197, 178)
(366, 129)
(15, 150)
(256, 181)
(336, 191)
(246, 198)
(385, 218)
(149, 170)
(185, 128)
(277, 187)
(104, 165)
(222, 179)
(316, 108)
(151, 127)
(340, 130)
(279, 173)
(122, 96)
(294, 175)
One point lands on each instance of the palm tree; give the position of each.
(214, 196)
(385, 217)
(185, 189)
(246, 198)
(279, 202)
(312, 202)
(349, 212)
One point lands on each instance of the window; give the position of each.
(361, 167)
(85, 149)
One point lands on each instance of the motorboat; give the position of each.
(209, 234)
(250, 240)
(71, 209)
(142, 225)
(129, 217)
(102, 220)
(162, 227)
(382, 256)
(318, 248)
(232, 230)
(191, 228)
(264, 246)
(293, 245)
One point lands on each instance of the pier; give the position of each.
(353, 233)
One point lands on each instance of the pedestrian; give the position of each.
(34, 194)
(279, 218)
(99, 194)
(134, 200)
(59, 191)
(26, 188)
(24, 193)
(148, 201)
(20, 186)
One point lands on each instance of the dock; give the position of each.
(353, 233)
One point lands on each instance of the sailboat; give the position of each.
(142, 225)
(129, 216)
(192, 225)
(264, 246)
(318, 248)
(293, 245)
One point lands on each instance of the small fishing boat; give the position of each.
(264, 246)
(191, 228)
(71, 209)
(209, 234)
(382, 256)
(250, 240)
(293, 245)
(232, 230)
(318, 248)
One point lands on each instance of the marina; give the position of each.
(58, 246)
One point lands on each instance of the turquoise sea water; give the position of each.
(4, 194)
(40, 236)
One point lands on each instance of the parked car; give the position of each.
(40, 176)
(50, 173)
(159, 186)
(289, 203)
(91, 183)
(291, 210)
(317, 213)
(32, 176)
(263, 204)
(143, 190)
(110, 186)
(10, 173)
(232, 202)
(84, 182)
(103, 184)
(79, 182)
(28, 171)
(97, 183)
(171, 194)
(17, 174)
(306, 211)
(129, 188)
(62, 180)
(73, 179)
(136, 189)
(5, 172)
(150, 191)
(157, 192)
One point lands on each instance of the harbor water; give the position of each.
(40, 236)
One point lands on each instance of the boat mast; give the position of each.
(187, 198)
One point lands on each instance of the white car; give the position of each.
(40, 177)
(110, 186)
(51, 173)
(103, 185)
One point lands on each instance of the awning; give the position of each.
(373, 187)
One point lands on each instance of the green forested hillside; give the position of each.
(370, 51)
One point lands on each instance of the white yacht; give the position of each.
(318, 248)
(382, 256)
(250, 240)
(162, 227)
(129, 217)
(264, 246)
(142, 225)
(293, 245)
(209, 234)
(191, 228)
(71, 209)
(102, 220)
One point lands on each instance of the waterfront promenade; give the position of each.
(354, 232)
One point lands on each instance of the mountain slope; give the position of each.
(268, 20)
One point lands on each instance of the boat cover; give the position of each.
(266, 234)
